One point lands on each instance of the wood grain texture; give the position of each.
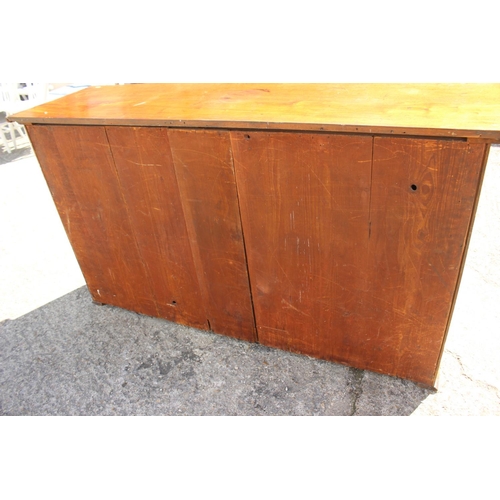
(153, 233)
(81, 175)
(422, 199)
(147, 180)
(205, 176)
(354, 262)
(453, 110)
(350, 245)
(305, 209)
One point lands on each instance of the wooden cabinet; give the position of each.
(253, 212)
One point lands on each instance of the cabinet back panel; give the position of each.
(423, 197)
(305, 208)
(343, 247)
(354, 259)
(146, 175)
(79, 169)
(205, 175)
(152, 216)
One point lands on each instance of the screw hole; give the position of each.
(413, 187)
(174, 302)
(247, 136)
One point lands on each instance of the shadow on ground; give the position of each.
(14, 155)
(72, 357)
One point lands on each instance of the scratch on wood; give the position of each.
(145, 164)
(438, 274)
(275, 329)
(321, 182)
(219, 163)
(289, 306)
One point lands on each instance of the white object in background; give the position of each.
(15, 97)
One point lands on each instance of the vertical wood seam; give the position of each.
(464, 254)
(144, 265)
(256, 331)
(371, 189)
(197, 262)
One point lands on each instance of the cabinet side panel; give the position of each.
(205, 175)
(79, 170)
(305, 210)
(423, 194)
(148, 183)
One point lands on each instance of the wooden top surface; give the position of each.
(449, 110)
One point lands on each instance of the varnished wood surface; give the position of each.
(152, 202)
(78, 166)
(449, 110)
(305, 209)
(422, 200)
(207, 187)
(346, 247)
(354, 262)
(152, 216)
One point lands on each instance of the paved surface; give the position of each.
(62, 355)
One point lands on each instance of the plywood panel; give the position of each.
(352, 261)
(423, 195)
(305, 208)
(354, 243)
(80, 172)
(205, 176)
(147, 180)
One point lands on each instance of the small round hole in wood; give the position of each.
(413, 187)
